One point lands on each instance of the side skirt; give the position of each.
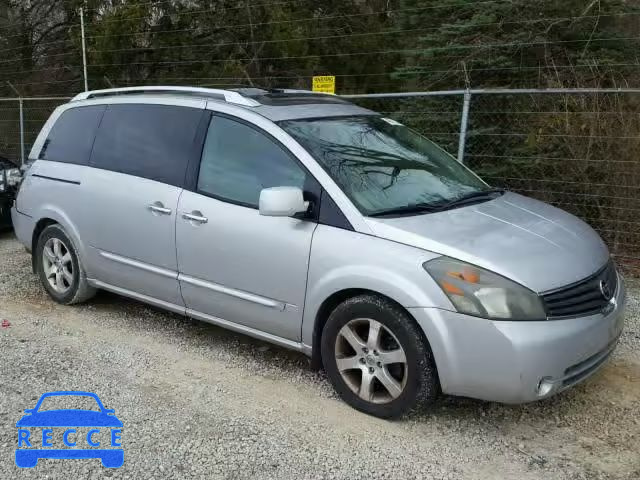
(252, 332)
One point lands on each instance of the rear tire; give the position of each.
(59, 267)
(376, 357)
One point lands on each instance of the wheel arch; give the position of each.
(335, 299)
(38, 229)
(50, 215)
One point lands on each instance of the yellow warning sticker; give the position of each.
(324, 84)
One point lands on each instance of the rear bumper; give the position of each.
(23, 226)
(517, 362)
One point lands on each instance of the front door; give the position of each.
(235, 264)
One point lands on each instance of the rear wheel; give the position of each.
(376, 358)
(59, 267)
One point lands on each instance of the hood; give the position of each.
(69, 418)
(528, 241)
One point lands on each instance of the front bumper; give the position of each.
(517, 362)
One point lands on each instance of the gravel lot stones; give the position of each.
(201, 402)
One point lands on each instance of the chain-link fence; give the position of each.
(576, 149)
(20, 122)
(10, 141)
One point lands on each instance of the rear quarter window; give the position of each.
(149, 141)
(71, 137)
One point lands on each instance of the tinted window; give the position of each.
(150, 141)
(71, 138)
(239, 161)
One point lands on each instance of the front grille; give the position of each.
(584, 297)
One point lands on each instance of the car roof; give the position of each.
(274, 104)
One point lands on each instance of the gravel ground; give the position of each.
(200, 402)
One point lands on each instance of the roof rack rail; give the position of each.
(296, 90)
(226, 95)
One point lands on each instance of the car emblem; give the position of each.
(605, 290)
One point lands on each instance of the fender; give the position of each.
(397, 273)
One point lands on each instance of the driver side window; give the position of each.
(238, 161)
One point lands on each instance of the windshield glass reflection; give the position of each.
(382, 165)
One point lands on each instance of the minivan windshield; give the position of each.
(383, 166)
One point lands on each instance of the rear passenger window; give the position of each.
(149, 141)
(238, 161)
(72, 135)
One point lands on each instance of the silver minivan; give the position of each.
(312, 223)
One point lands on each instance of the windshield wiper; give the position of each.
(406, 210)
(473, 197)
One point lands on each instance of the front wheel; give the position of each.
(376, 358)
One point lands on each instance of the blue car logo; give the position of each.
(42, 433)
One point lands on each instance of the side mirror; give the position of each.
(282, 202)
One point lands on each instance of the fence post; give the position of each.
(464, 122)
(21, 109)
(84, 51)
(21, 103)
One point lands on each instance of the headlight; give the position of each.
(476, 291)
(13, 177)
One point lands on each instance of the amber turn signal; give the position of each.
(467, 275)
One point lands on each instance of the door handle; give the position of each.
(159, 208)
(195, 217)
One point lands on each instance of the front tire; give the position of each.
(376, 358)
(59, 267)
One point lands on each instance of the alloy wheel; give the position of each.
(371, 360)
(57, 265)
